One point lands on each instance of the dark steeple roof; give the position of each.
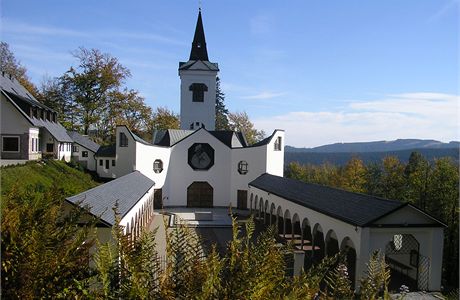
(199, 51)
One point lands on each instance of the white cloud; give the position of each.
(14, 27)
(264, 95)
(414, 115)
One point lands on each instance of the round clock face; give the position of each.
(201, 156)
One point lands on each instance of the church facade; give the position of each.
(199, 167)
(195, 166)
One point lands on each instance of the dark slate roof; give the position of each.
(208, 65)
(265, 141)
(10, 85)
(352, 208)
(229, 138)
(106, 151)
(199, 51)
(84, 141)
(135, 137)
(55, 129)
(127, 190)
(18, 94)
(170, 137)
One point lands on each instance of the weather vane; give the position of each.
(199, 5)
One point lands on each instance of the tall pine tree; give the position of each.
(221, 110)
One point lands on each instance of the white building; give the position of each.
(83, 150)
(29, 129)
(198, 167)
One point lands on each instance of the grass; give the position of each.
(43, 175)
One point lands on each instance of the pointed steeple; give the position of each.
(199, 51)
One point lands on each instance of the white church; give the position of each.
(199, 167)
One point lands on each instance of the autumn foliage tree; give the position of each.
(10, 65)
(430, 186)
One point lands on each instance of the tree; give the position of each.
(163, 119)
(393, 183)
(416, 174)
(92, 83)
(221, 111)
(45, 254)
(442, 202)
(239, 121)
(10, 65)
(354, 176)
(126, 107)
(56, 96)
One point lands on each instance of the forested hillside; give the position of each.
(432, 186)
(341, 158)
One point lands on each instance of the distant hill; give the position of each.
(378, 146)
(341, 153)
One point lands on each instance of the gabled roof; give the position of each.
(353, 208)
(10, 85)
(16, 93)
(106, 151)
(126, 190)
(55, 129)
(208, 66)
(170, 137)
(84, 141)
(266, 140)
(135, 137)
(199, 51)
(230, 138)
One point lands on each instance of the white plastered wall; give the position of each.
(12, 122)
(341, 229)
(181, 174)
(431, 240)
(256, 157)
(275, 159)
(90, 160)
(136, 209)
(145, 157)
(203, 112)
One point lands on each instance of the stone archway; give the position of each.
(280, 221)
(318, 243)
(348, 247)
(200, 194)
(272, 214)
(402, 254)
(266, 213)
(287, 224)
(332, 243)
(296, 230)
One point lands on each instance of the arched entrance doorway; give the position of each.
(403, 257)
(200, 194)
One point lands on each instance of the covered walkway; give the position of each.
(322, 221)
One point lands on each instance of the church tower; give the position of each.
(198, 85)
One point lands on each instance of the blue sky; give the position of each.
(325, 71)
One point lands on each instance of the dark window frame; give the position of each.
(101, 162)
(198, 90)
(107, 164)
(18, 146)
(123, 140)
(84, 154)
(243, 167)
(158, 166)
(278, 143)
(113, 162)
